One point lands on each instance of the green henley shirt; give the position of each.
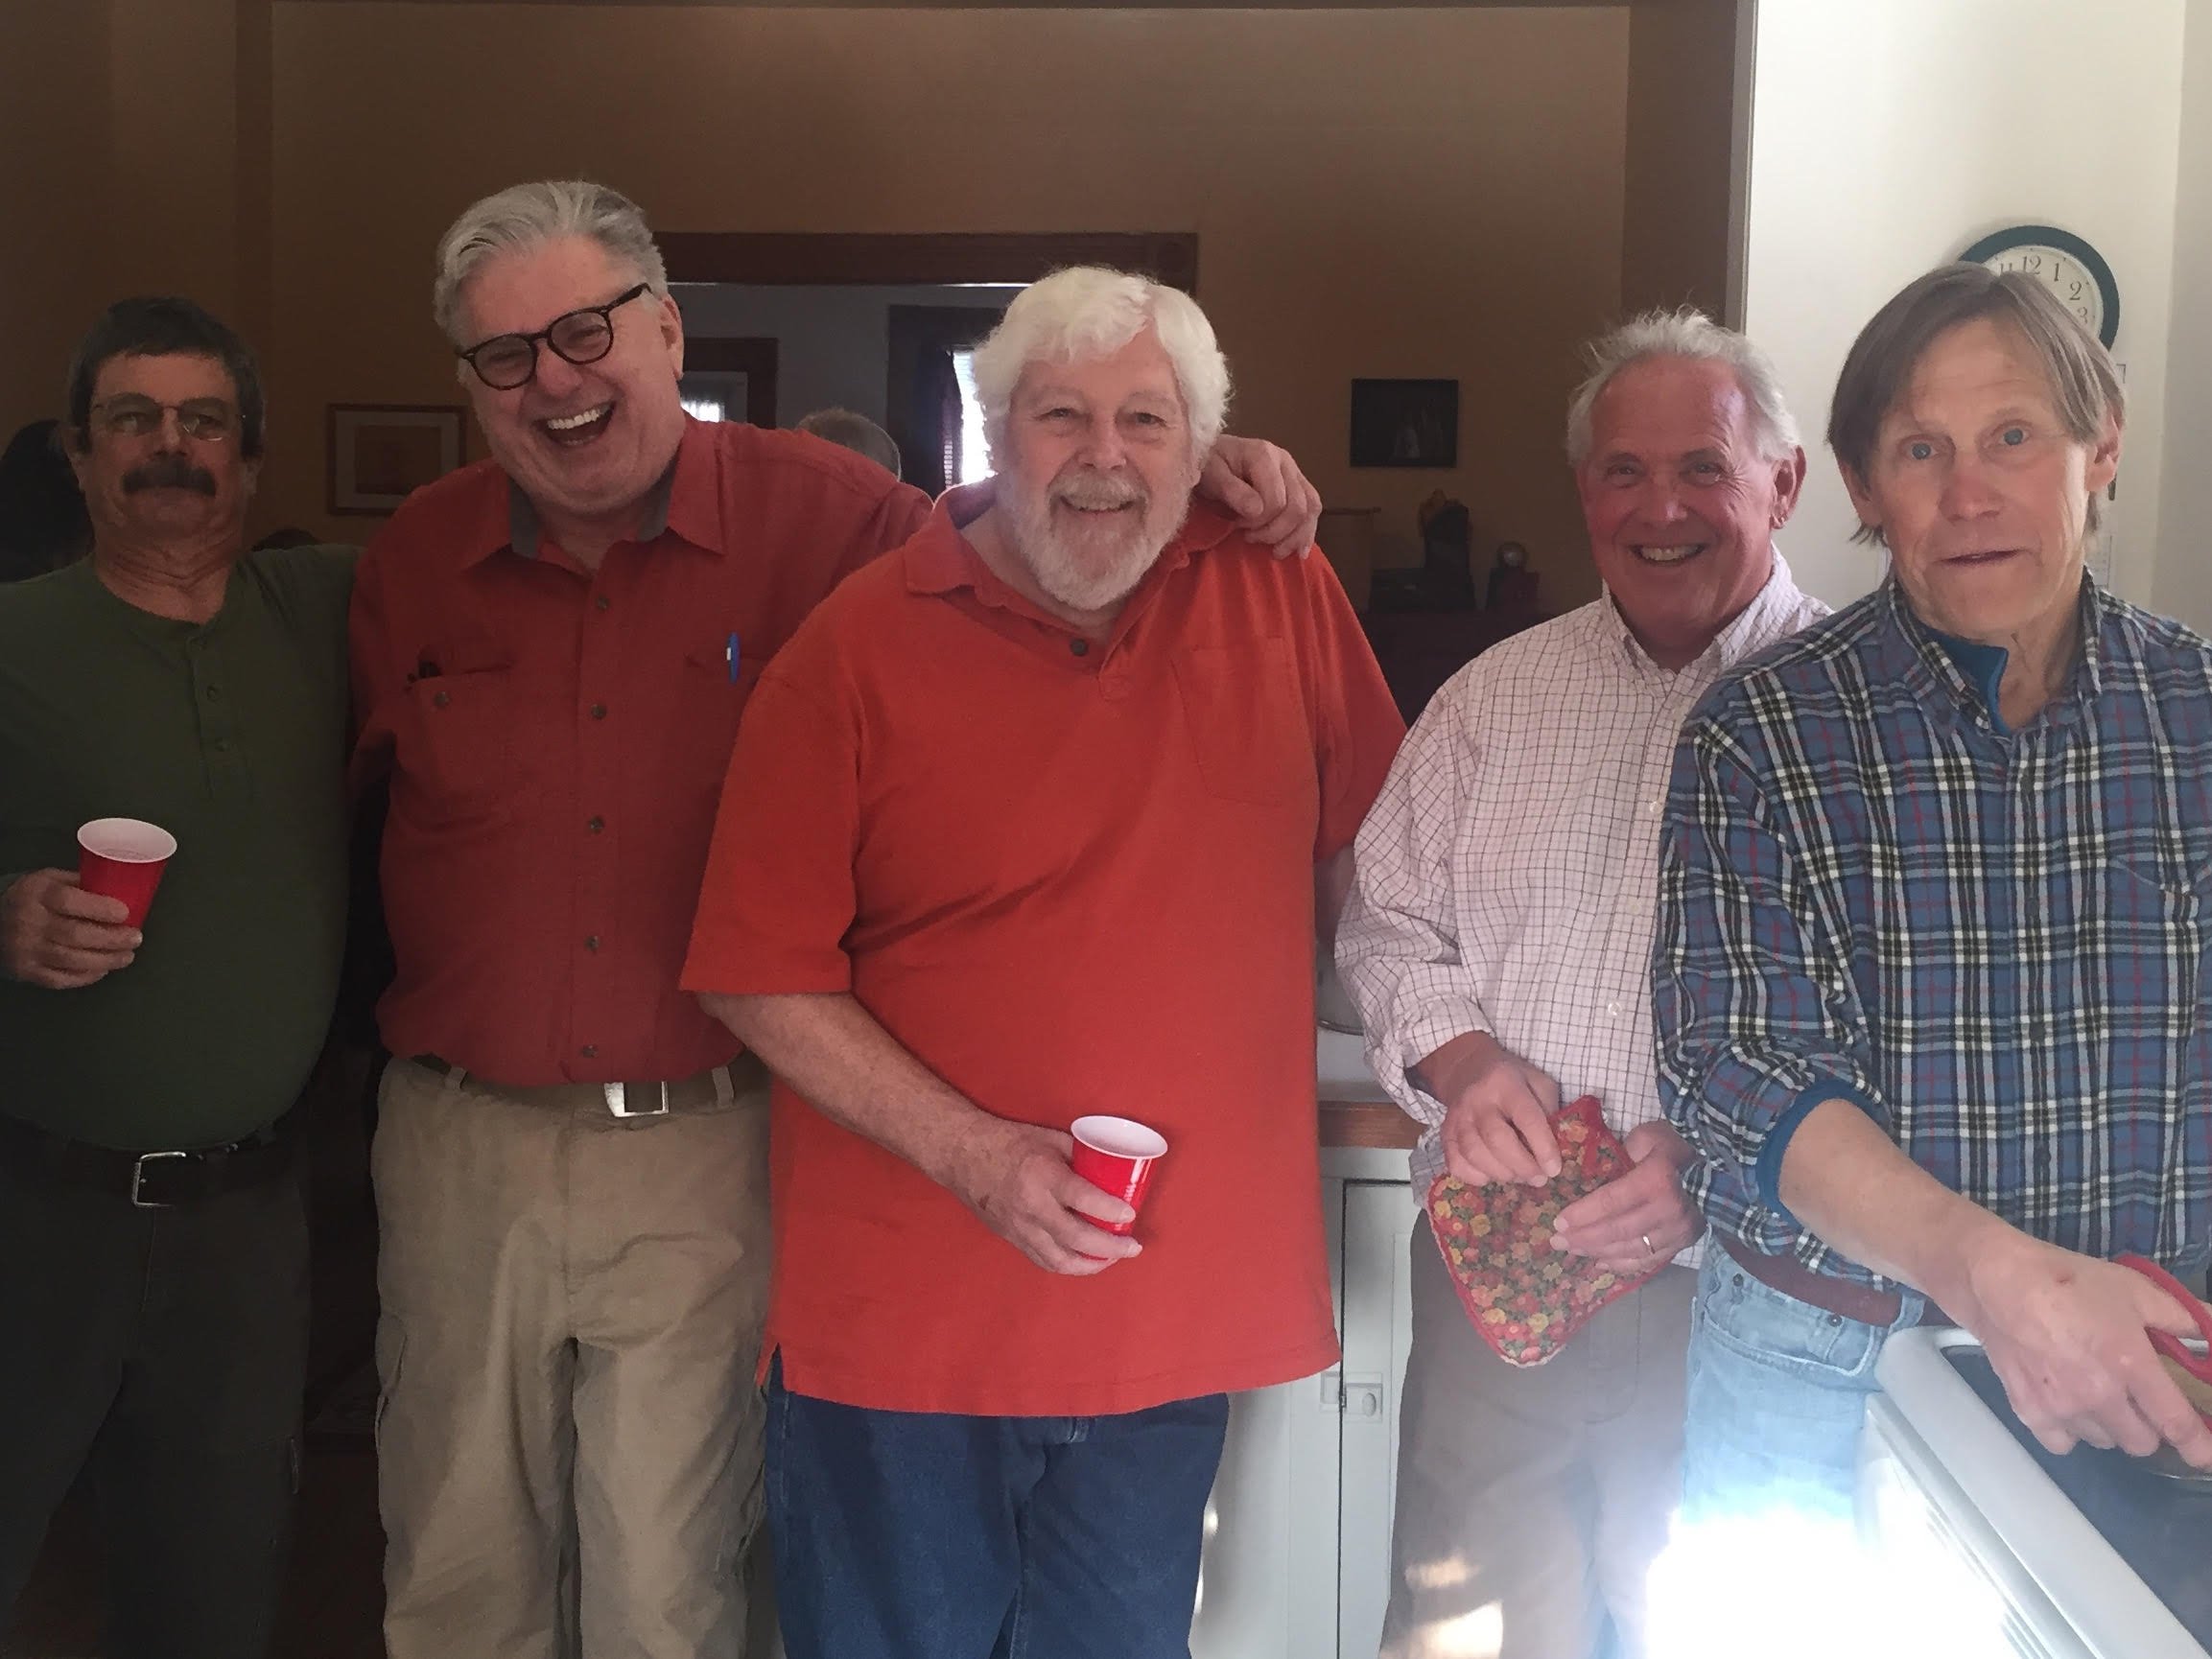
(232, 736)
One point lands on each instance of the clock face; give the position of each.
(2074, 271)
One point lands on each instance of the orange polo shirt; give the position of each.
(1070, 878)
(556, 739)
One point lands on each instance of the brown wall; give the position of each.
(53, 194)
(129, 129)
(1387, 192)
(1681, 92)
(1408, 193)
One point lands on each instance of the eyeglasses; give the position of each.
(128, 416)
(507, 361)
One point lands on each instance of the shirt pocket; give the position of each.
(706, 729)
(458, 755)
(1246, 722)
(2144, 940)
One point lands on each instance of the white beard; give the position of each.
(1089, 564)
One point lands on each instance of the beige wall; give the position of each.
(2183, 586)
(1393, 192)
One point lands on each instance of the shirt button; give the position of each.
(213, 693)
(599, 711)
(590, 1051)
(1613, 1008)
(1081, 647)
(595, 823)
(591, 941)
(439, 700)
(603, 602)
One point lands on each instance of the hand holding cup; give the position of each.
(54, 933)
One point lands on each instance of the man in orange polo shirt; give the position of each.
(1056, 782)
(550, 649)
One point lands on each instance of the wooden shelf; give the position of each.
(1375, 1123)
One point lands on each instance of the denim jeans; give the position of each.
(926, 1535)
(1777, 1392)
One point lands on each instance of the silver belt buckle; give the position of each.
(138, 1179)
(619, 1101)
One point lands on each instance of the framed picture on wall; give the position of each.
(1405, 423)
(380, 453)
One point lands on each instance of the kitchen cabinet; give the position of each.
(1297, 1559)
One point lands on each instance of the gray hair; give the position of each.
(1688, 334)
(851, 429)
(526, 216)
(1088, 311)
(2085, 386)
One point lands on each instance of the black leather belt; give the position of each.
(150, 1180)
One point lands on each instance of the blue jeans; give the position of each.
(1777, 1392)
(925, 1536)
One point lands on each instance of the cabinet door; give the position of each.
(1268, 1575)
(1375, 1311)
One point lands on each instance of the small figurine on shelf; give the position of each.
(1448, 571)
(1512, 584)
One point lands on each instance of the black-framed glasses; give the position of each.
(133, 415)
(507, 361)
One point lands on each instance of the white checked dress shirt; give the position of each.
(1508, 873)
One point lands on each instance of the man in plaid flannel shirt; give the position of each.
(1936, 889)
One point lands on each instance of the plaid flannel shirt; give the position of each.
(1994, 941)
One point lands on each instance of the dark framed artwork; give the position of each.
(381, 452)
(1405, 423)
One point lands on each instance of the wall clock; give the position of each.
(2076, 271)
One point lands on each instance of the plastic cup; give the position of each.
(1117, 1155)
(124, 859)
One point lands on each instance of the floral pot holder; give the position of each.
(1525, 1297)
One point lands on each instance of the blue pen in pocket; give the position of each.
(729, 656)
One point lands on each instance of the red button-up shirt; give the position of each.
(556, 740)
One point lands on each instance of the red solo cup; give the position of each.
(124, 859)
(1117, 1155)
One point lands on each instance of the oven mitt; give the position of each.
(1525, 1297)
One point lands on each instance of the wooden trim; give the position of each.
(1367, 1123)
(885, 260)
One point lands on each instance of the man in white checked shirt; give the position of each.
(1497, 942)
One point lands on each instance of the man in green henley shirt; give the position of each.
(152, 1241)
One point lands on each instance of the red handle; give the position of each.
(2166, 1342)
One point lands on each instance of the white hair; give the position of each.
(1690, 334)
(1088, 311)
(526, 216)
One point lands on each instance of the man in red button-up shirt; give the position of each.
(550, 649)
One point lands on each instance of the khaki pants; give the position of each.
(569, 1437)
(1532, 1503)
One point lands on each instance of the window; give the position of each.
(975, 454)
